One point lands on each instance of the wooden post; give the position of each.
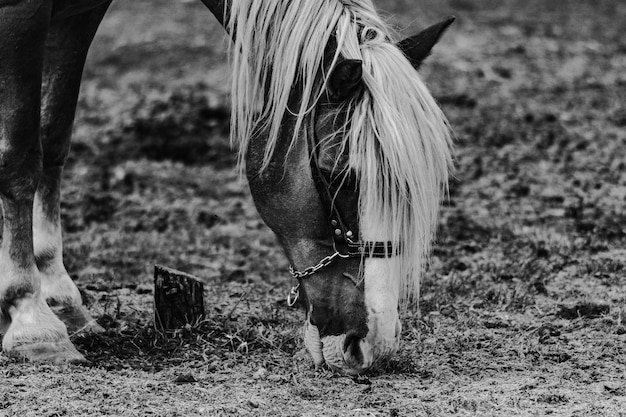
(178, 299)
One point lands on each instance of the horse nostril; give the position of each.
(352, 346)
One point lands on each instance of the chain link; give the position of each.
(313, 269)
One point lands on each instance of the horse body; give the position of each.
(327, 111)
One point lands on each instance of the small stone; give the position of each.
(448, 311)
(275, 378)
(185, 379)
(143, 289)
(261, 373)
(362, 380)
(546, 332)
(613, 387)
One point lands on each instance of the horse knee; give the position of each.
(55, 139)
(20, 171)
(20, 145)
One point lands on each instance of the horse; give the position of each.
(346, 152)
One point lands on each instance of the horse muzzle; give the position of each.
(348, 353)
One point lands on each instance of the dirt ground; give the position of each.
(522, 310)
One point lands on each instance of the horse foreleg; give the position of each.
(66, 49)
(30, 327)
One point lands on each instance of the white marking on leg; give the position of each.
(47, 241)
(32, 330)
(57, 288)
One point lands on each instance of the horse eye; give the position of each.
(343, 178)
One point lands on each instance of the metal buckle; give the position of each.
(293, 296)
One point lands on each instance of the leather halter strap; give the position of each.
(346, 242)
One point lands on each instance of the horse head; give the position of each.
(346, 155)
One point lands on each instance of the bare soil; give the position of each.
(522, 310)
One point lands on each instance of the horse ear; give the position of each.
(220, 9)
(418, 47)
(345, 79)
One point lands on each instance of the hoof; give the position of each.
(52, 352)
(36, 334)
(77, 320)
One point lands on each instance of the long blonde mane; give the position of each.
(398, 138)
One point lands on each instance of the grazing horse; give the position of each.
(347, 157)
(346, 152)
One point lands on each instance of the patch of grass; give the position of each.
(131, 340)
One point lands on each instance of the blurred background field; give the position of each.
(521, 311)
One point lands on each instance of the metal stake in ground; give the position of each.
(178, 299)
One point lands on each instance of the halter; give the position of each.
(345, 244)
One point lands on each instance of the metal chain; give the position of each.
(294, 294)
(313, 269)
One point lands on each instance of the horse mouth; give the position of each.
(346, 354)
